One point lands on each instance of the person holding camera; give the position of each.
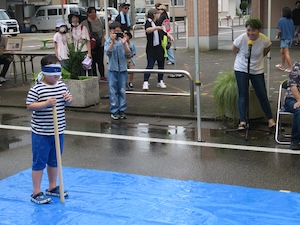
(117, 50)
(96, 29)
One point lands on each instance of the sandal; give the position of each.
(55, 192)
(280, 67)
(287, 70)
(40, 198)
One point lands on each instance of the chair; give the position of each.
(280, 134)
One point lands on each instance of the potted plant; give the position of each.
(225, 92)
(84, 89)
(244, 6)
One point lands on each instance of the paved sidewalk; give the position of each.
(212, 64)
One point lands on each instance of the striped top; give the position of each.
(42, 120)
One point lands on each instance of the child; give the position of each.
(61, 41)
(117, 50)
(130, 60)
(47, 92)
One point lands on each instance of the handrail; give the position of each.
(183, 72)
(228, 27)
(137, 25)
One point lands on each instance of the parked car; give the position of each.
(45, 17)
(112, 12)
(140, 15)
(8, 26)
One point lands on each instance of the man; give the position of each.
(5, 60)
(123, 17)
(296, 18)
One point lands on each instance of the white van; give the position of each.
(45, 17)
(8, 26)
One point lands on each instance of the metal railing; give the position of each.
(228, 27)
(183, 72)
(135, 26)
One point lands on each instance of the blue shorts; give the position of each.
(44, 150)
(286, 43)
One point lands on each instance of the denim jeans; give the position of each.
(289, 106)
(117, 90)
(258, 83)
(150, 65)
(171, 56)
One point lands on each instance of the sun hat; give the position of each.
(60, 22)
(124, 4)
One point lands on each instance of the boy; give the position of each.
(47, 92)
(130, 60)
(117, 50)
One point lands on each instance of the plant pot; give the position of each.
(84, 92)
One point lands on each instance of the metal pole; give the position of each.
(173, 20)
(106, 20)
(269, 54)
(197, 75)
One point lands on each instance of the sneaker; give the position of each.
(170, 63)
(55, 192)
(103, 78)
(115, 115)
(242, 126)
(295, 145)
(161, 84)
(122, 115)
(2, 80)
(130, 86)
(146, 85)
(296, 43)
(40, 198)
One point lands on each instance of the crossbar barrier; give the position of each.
(183, 72)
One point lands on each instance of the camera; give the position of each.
(119, 35)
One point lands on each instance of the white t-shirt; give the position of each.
(62, 46)
(257, 55)
(79, 34)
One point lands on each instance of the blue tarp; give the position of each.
(99, 197)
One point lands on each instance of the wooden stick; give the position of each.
(58, 156)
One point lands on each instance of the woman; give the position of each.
(80, 35)
(285, 32)
(96, 26)
(261, 45)
(154, 49)
(162, 9)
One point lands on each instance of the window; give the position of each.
(178, 2)
(149, 2)
(59, 11)
(52, 12)
(40, 13)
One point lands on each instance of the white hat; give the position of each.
(60, 22)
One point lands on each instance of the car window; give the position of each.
(52, 12)
(40, 13)
(59, 11)
(82, 12)
(4, 16)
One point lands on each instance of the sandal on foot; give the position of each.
(40, 198)
(280, 67)
(55, 192)
(287, 70)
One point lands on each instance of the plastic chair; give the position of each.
(279, 133)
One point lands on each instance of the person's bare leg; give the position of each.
(130, 77)
(282, 57)
(288, 57)
(52, 175)
(36, 180)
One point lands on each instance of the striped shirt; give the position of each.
(42, 120)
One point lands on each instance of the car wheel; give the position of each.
(33, 29)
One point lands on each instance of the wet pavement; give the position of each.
(159, 138)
